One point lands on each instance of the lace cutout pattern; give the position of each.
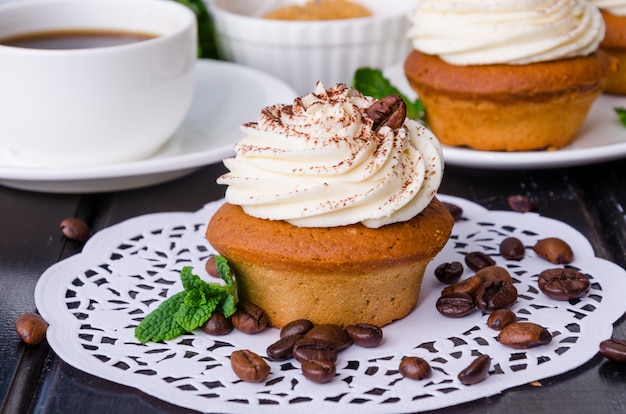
(94, 300)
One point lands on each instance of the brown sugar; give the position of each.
(320, 10)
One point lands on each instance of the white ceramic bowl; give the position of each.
(303, 52)
(82, 107)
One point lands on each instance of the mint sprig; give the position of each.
(191, 308)
(621, 114)
(372, 82)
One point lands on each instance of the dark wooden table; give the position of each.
(33, 379)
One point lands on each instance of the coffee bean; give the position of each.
(334, 335)
(299, 326)
(512, 248)
(614, 349)
(564, 284)
(249, 318)
(449, 273)
(501, 318)
(75, 229)
(478, 260)
(455, 305)
(455, 211)
(389, 111)
(31, 328)
(217, 324)
(476, 372)
(523, 335)
(554, 250)
(365, 335)
(248, 366)
(319, 371)
(492, 295)
(282, 349)
(495, 274)
(521, 203)
(469, 286)
(415, 368)
(210, 267)
(306, 349)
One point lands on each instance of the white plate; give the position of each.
(226, 96)
(601, 138)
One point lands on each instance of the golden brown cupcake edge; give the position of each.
(537, 106)
(509, 83)
(614, 43)
(352, 248)
(342, 275)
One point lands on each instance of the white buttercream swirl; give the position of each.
(616, 7)
(476, 32)
(319, 163)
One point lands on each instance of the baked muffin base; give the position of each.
(614, 44)
(508, 107)
(341, 275)
(496, 126)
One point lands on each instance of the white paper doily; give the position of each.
(94, 299)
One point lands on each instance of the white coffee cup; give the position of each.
(79, 107)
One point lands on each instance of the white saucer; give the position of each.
(226, 96)
(601, 138)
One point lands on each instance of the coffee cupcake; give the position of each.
(614, 42)
(507, 75)
(330, 210)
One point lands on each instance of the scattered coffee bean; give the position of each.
(554, 250)
(455, 211)
(217, 324)
(319, 371)
(563, 284)
(415, 368)
(478, 260)
(477, 371)
(469, 286)
(249, 366)
(501, 318)
(455, 305)
(494, 273)
(389, 111)
(282, 349)
(299, 326)
(249, 318)
(365, 335)
(75, 229)
(512, 248)
(307, 349)
(210, 267)
(31, 328)
(523, 335)
(449, 273)
(614, 350)
(334, 335)
(521, 203)
(493, 295)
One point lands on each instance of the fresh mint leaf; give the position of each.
(160, 324)
(191, 281)
(229, 305)
(195, 298)
(621, 114)
(223, 270)
(372, 82)
(192, 317)
(191, 308)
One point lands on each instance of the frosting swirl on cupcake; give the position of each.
(480, 32)
(321, 163)
(616, 7)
